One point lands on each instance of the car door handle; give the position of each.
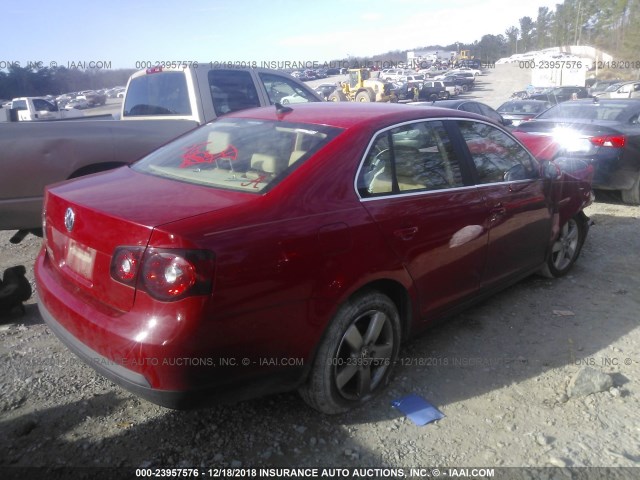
(406, 233)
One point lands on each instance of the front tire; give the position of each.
(363, 97)
(565, 249)
(337, 96)
(356, 356)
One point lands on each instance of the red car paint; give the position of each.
(285, 257)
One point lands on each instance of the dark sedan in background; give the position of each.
(519, 111)
(470, 106)
(604, 132)
(561, 94)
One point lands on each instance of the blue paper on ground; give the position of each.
(418, 409)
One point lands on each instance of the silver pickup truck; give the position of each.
(160, 104)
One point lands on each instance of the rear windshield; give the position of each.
(238, 154)
(586, 111)
(528, 107)
(161, 93)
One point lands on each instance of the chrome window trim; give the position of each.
(436, 119)
(409, 193)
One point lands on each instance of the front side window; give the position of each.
(42, 105)
(237, 154)
(284, 90)
(496, 156)
(159, 93)
(411, 158)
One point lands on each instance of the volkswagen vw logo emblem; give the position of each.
(69, 219)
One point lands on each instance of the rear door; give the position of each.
(419, 191)
(517, 198)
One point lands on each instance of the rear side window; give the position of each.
(471, 107)
(160, 93)
(490, 113)
(418, 157)
(284, 90)
(19, 104)
(232, 90)
(496, 156)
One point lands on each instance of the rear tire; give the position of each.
(356, 356)
(632, 196)
(565, 249)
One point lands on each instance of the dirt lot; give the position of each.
(499, 372)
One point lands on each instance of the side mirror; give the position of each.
(507, 122)
(550, 170)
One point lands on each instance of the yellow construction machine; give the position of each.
(362, 88)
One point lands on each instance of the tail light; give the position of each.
(125, 264)
(615, 141)
(165, 274)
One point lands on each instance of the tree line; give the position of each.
(610, 25)
(19, 81)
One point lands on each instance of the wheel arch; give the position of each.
(95, 168)
(394, 289)
(312, 384)
(398, 295)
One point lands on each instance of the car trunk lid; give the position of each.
(86, 220)
(577, 138)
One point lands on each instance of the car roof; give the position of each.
(531, 101)
(632, 106)
(605, 101)
(454, 103)
(350, 114)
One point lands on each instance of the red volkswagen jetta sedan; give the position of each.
(296, 247)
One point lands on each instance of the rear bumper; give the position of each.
(129, 379)
(616, 170)
(175, 399)
(173, 371)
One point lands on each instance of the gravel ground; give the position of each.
(507, 374)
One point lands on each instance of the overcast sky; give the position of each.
(125, 32)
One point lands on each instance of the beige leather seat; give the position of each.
(262, 163)
(217, 143)
(295, 156)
